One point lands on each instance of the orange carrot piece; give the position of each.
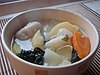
(81, 44)
(71, 40)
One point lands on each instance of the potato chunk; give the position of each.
(52, 58)
(38, 40)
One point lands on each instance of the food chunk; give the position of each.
(38, 40)
(63, 32)
(81, 44)
(65, 25)
(55, 43)
(52, 58)
(28, 31)
(65, 51)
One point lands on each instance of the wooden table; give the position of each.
(88, 9)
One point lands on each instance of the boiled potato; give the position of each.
(61, 25)
(38, 40)
(52, 58)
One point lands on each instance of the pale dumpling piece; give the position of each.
(65, 25)
(55, 43)
(52, 58)
(63, 32)
(65, 51)
(38, 40)
(28, 31)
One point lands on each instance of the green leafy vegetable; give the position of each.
(35, 56)
(75, 57)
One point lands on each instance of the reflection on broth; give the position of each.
(25, 45)
(54, 43)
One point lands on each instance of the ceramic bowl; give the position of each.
(43, 16)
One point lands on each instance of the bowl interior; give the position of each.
(45, 16)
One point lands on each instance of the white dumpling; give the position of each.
(65, 51)
(52, 58)
(28, 31)
(55, 43)
(63, 32)
(38, 40)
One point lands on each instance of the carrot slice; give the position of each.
(81, 44)
(71, 40)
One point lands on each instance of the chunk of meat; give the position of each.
(28, 31)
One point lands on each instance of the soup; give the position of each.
(53, 44)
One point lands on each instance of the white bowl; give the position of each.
(44, 15)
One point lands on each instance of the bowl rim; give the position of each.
(41, 66)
